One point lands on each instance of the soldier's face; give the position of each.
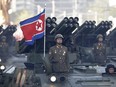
(3, 40)
(111, 70)
(100, 39)
(59, 40)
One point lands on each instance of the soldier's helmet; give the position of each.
(58, 36)
(3, 37)
(99, 36)
(110, 66)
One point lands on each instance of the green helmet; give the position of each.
(59, 36)
(3, 37)
(99, 36)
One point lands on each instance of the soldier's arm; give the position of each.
(50, 56)
(67, 56)
(105, 49)
(77, 53)
(94, 49)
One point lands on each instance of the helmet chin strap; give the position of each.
(59, 43)
(100, 41)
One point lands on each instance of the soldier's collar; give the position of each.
(100, 43)
(59, 46)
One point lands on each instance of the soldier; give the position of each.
(110, 69)
(3, 47)
(99, 51)
(58, 56)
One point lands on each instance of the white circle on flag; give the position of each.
(39, 25)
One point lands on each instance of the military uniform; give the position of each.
(3, 47)
(58, 56)
(99, 51)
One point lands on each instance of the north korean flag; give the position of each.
(33, 28)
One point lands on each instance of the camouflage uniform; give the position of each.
(99, 51)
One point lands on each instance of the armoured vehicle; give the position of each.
(79, 39)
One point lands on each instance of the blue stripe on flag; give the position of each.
(31, 19)
(37, 36)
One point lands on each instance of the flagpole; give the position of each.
(45, 33)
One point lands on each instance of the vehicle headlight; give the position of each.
(62, 78)
(2, 67)
(53, 78)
